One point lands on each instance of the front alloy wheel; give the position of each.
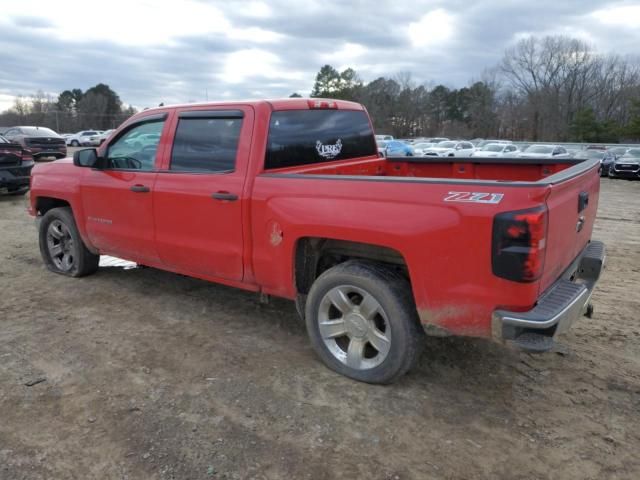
(60, 246)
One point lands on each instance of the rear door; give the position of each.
(198, 195)
(572, 208)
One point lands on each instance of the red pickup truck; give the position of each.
(290, 198)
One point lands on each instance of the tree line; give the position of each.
(550, 88)
(99, 108)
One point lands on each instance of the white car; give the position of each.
(451, 148)
(482, 143)
(384, 138)
(496, 150)
(421, 147)
(81, 138)
(544, 151)
(97, 140)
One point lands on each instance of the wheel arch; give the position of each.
(42, 204)
(314, 255)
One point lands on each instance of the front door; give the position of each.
(117, 199)
(198, 196)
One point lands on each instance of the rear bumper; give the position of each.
(15, 178)
(556, 310)
(40, 152)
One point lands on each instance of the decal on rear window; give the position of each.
(329, 151)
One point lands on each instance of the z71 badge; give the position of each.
(474, 197)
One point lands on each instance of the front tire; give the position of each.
(362, 322)
(61, 246)
(74, 143)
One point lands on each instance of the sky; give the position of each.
(177, 51)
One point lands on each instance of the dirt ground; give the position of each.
(150, 375)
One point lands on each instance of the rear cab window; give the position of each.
(307, 137)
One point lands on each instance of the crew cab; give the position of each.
(289, 198)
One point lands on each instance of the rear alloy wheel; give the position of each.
(354, 327)
(75, 143)
(62, 248)
(362, 322)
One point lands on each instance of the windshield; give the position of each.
(589, 154)
(493, 147)
(618, 150)
(539, 149)
(38, 132)
(446, 145)
(632, 153)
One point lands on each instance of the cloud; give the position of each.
(151, 52)
(433, 28)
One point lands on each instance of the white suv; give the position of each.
(81, 138)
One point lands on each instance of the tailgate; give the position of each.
(572, 206)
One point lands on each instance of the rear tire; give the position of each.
(75, 143)
(61, 246)
(362, 322)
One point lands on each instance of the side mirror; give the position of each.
(87, 157)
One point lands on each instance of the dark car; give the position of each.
(626, 166)
(38, 141)
(606, 158)
(15, 168)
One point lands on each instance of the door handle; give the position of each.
(140, 188)
(231, 197)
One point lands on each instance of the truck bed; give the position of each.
(455, 168)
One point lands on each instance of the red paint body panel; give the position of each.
(395, 203)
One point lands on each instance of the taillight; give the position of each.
(26, 156)
(519, 241)
(322, 104)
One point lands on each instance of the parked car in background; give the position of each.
(396, 148)
(39, 142)
(494, 150)
(451, 148)
(143, 140)
(383, 137)
(382, 147)
(421, 147)
(15, 168)
(618, 151)
(436, 139)
(596, 147)
(545, 151)
(606, 159)
(482, 143)
(626, 166)
(81, 138)
(97, 140)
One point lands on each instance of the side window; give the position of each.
(206, 144)
(136, 148)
